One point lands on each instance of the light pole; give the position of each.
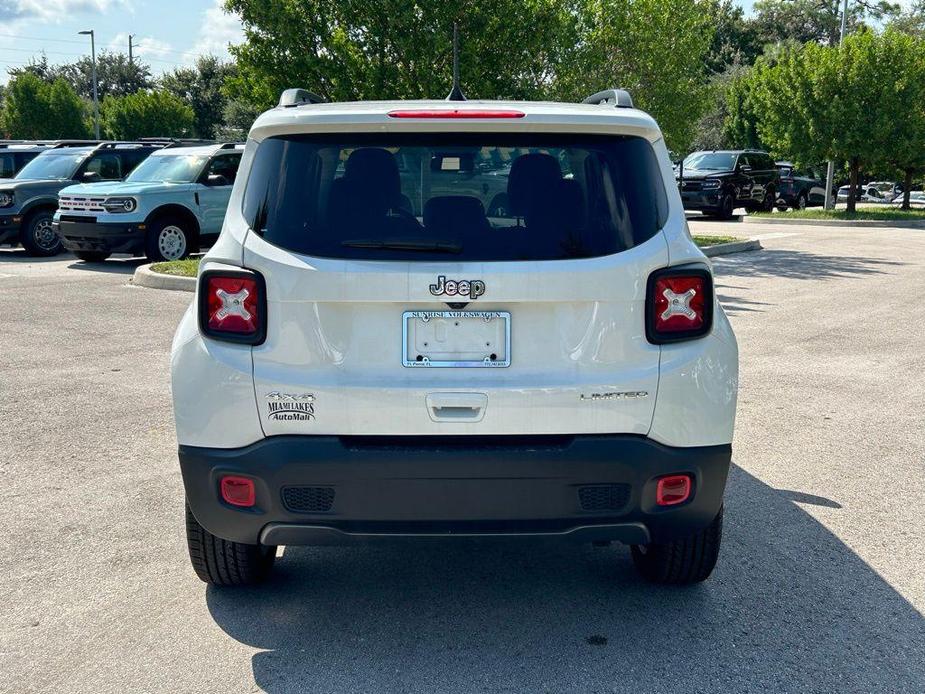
(830, 170)
(96, 103)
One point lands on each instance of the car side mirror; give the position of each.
(216, 180)
(91, 177)
(745, 168)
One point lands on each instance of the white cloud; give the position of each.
(53, 10)
(144, 47)
(218, 29)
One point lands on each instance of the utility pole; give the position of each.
(130, 37)
(830, 170)
(96, 101)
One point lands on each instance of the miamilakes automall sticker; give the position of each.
(291, 407)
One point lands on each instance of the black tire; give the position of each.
(161, 236)
(37, 236)
(92, 256)
(222, 562)
(727, 207)
(767, 205)
(802, 202)
(680, 562)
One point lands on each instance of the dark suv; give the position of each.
(718, 182)
(15, 154)
(799, 188)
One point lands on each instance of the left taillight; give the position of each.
(233, 306)
(679, 305)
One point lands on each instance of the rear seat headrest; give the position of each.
(373, 175)
(454, 214)
(532, 177)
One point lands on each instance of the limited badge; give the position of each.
(290, 407)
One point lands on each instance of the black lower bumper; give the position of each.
(10, 225)
(706, 202)
(329, 489)
(97, 236)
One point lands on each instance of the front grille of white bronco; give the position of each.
(80, 203)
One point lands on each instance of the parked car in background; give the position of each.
(169, 206)
(799, 188)
(916, 198)
(28, 201)
(877, 191)
(15, 154)
(717, 182)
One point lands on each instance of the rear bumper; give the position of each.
(355, 489)
(96, 236)
(9, 228)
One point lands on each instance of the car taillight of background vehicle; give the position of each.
(233, 306)
(679, 305)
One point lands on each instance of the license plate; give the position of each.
(459, 339)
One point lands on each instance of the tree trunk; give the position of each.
(853, 185)
(907, 189)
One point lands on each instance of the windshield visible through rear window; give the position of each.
(473, 197)
(168, 168)
(710, 161)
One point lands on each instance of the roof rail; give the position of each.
(618, 98)
(75, 143)
(42, 143)
(174, 141)
(298, 97)
(231, 145)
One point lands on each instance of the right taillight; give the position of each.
(679, 305)
(233, 306)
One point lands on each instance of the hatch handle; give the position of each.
(456, 407)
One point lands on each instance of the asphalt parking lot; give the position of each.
(819, 586)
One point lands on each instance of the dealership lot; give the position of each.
(819, 585)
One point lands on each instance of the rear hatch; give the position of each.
(455, 283)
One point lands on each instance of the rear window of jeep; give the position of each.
(466, 197)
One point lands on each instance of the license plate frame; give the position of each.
(410, 357)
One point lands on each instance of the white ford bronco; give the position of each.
(454, 318)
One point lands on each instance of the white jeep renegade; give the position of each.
(451, 319)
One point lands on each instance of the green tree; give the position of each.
(201, 87)
(35, 109)
(238, 118)
(912, 20)
(814, 20)
(655, 49)
(736, 40)
(146, 114)
(356, 49)
(831, 103)
(116, 76)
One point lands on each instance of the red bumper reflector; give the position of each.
(238, 491)
(673, 489)
(457, 113)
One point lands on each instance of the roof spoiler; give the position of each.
(618, 98)
(298, 97)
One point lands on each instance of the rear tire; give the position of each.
(38, 237)
(767, 205)
(681, 562)
(222, 562)
(168, 238)
(802, 202)
(91, 256)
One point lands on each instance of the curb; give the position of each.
(862, 223)
(145, 277)
(732, 247)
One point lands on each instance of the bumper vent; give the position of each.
(308, 499)
(604, 497)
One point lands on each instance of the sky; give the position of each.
(167, 33)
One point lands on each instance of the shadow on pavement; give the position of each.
(789, 608)
(798, 265)
(123, 266)
(19, 255)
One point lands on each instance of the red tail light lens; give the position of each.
(679, 305)
(232, 306)
(457, 113)
(238, 491)
(672, 490)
